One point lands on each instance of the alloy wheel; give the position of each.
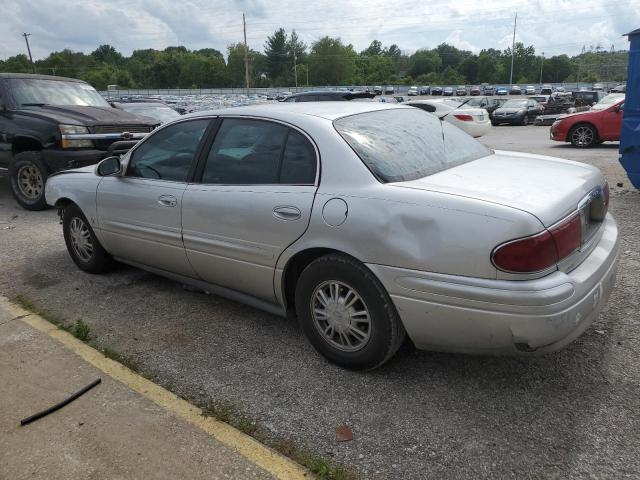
(30, 182)
(81, 239)
(341, 316)
(582, 136)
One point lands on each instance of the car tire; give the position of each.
(525, 120)
(28, 176)
(323, 289)
(495, 124)
(583, 136)
(83, 245)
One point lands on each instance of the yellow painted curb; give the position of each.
(257, 453)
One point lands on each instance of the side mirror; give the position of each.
(109, 167)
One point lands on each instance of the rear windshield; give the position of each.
(35, 91)
(404, 144)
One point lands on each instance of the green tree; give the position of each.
(278, 54)
(424, 61)
(107, 54)
(331, 62)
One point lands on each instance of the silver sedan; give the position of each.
(339, 213)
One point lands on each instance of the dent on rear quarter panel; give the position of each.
(417, 230)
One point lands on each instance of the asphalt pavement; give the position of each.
(571, 414)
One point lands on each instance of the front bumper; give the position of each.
(58, 160)
(472, 315)
(511, 119)
(558, 135)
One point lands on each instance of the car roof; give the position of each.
(285, 110)
(39, 77)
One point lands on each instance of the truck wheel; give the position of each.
(346, 314)
(28, 175)
(82, 244)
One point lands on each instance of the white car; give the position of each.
(473, 121)
(339, 214)
(413, 92)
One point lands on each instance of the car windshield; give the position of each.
(155, 111)
(539, 99)
(608, 101)
(515, 104)
(35, 91)
(386, 142)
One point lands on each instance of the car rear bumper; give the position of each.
(472, 315)
(477, 129)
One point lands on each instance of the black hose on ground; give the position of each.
(58, 406)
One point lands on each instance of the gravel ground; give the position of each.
(572, 414)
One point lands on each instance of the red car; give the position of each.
(584, 129)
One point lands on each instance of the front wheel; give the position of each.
(82, 243)
(27, 175)
(583, 136)
(346, 313)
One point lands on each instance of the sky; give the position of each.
(551, 26)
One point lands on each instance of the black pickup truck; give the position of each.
(48, 124)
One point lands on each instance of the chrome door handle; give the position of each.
(287, 213)
(167, 201)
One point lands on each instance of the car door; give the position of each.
(139, 213)
(5, 124)
(611, 122)
(253, 199)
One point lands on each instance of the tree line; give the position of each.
(327, 61)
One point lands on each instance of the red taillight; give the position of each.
(541, 251)
(567, 236)
(464, 118)
(529, 254)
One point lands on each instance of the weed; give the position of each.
(80, 330)
(26, 303)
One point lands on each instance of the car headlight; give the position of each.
(71, 130)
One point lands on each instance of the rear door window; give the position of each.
(259, 152)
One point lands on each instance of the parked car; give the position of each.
(389, 90)
(585, 129)
(448, 91)
(598, 86)
(490, 104)
(515, 90)
(48, 124)
(502, 91)
(542, 100)
(517, 111)
(560, 89)
(473, 121)
(425, 90)
(490, 251)
(546, 89)
(413, 92)
(327, 96)
(619, 89)
(530, 90)
(586, 98)
(474, 91)
(461, 91)
(280, 96)
(157, 110)
(436, 91)
(489, 90)
(377, 90)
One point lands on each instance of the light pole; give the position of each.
(541, 65)
(513, 47)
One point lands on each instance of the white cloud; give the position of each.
(552, 26)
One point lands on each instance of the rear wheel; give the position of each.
(82, 244)
(27, 175)
(583, 136)
(346, 313)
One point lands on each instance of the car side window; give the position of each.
(168, 154)
(299, 161)
(259, 152)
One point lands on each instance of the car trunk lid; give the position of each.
(548, 188)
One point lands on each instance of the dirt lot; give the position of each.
(573, 414)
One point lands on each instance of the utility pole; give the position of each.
(513, 48)
(295, 66)
(246, 54)
(26, 39)
(541, 65)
